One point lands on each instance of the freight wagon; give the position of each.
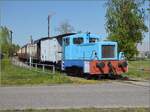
(44, 50)
(32, 51)
(22, 53)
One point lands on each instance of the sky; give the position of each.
(26, 18)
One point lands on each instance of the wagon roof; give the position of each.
(58, 36)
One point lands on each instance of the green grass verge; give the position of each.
(13, 75)
(85, 110)
(135, 69)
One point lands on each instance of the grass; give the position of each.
(85, 110)
(79, 80)
(136, 69)
(13, 75)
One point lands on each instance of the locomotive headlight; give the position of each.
(124, 64)
(121, 56)
(100, 65)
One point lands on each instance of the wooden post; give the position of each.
(36, 66)
(53, 69)
(43, 68)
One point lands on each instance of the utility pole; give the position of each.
(48, 23)
(149, 28)
(30, 53)
(11, 53)
(31, 40)
(11, 36)
(49, 18)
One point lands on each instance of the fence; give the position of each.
(34, 66)
(43, 66)
(139, 68)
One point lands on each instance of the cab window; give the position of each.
(66, 41)
(78, 40)
(93, 40)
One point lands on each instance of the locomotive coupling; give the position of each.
(100, 65)
(123, 64)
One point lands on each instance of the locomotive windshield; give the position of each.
(66, 41)
(108, 51)
(78, 40)
(93, 40)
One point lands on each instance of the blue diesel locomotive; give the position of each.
(89, 54)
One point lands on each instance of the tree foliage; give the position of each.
(65, 27)
(5, 42)
(125, 24)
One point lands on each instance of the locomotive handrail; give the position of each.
(94, 53)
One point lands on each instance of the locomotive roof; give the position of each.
(58, 36)
(85, 34)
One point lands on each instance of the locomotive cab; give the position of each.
(87, 53)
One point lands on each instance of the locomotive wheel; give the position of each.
(101, 77)
(119, 77)
(68, 71)
(112, 76)
(95, 77)
(74, 71)
(88, 76)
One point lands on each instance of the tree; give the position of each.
(65, 27)
(5, 42)
(125, 24)
(15, 48)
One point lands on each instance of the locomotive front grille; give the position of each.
(108, 51)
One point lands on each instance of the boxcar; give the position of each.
(23, 54)
(32, 51)
(51, 48)
(44, 50)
